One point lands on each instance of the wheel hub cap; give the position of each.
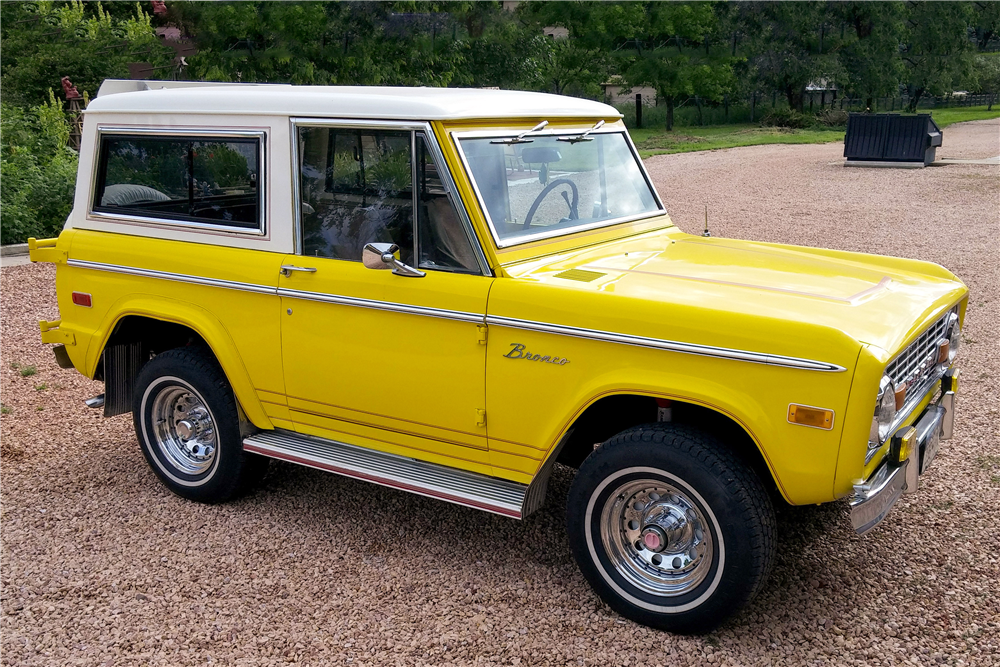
(184, 429)
(656, 537)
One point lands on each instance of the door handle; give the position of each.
(286, 269)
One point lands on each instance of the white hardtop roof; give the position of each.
(164, 97)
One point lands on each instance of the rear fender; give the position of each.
(201, 322)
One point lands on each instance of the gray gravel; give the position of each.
(102, 566)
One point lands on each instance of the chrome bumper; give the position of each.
(873, 499)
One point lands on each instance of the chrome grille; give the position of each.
(920, 357)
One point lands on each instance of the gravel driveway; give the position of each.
(102, 565)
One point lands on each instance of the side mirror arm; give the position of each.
(383, 256)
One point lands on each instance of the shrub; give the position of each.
(37, 169)
(832, 117)
(781, 117)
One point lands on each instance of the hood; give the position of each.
(872, 299)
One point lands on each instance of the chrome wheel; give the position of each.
(184, 429)
(656, 537)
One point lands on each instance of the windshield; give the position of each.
(556, 184)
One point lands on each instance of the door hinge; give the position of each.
(483, 331)
(480, 417)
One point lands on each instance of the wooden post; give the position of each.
(638, 110)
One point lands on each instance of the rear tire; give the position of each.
(670, 528)
(188, 427)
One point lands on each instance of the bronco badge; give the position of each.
(519, 353)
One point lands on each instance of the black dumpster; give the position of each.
(890, 140)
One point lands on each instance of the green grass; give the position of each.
(657, 141)
(946, 117)
(27, 371)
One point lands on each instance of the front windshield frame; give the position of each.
(522, 239)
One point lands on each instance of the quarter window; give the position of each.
(203, 180)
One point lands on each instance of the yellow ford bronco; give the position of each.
(450, 291)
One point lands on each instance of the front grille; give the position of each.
(920, 357)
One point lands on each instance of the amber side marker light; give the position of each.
(807, 416)
(82, 299)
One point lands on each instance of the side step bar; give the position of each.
(426, 479)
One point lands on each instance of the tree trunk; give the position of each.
(697, 103)
(669, 99)
(868, 104)
(915, 99)
(753, 106)
(796, 98)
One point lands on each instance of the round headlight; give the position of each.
(954, 339)
(885, 410)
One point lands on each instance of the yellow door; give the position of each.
(370, 357)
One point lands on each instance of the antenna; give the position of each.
(706, 232)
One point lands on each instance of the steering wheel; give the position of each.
(573, 214)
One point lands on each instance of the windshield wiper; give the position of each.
(582, 137)
(520, 139)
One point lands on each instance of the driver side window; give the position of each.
(361, 186)
(356, 188)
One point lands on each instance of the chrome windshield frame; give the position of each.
(458, 136)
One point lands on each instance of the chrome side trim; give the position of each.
(426, 479)
(381, 305)
(661, 344)
(292, 294)
(176, 277)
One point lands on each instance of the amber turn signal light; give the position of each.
(944, 348)
(903, 444)
(807, 416)
(900, 392)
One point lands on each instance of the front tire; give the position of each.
(670, 528)
(188, 427)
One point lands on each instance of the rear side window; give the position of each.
(203, 181)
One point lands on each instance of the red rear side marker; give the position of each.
(81, 299)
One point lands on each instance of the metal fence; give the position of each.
(925, 102)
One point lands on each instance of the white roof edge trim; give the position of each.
(115, 86)
(349, 102)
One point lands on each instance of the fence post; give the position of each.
(638, 110)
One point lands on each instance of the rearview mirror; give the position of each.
(383, 256)
(540, 155)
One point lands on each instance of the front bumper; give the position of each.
(873, 498)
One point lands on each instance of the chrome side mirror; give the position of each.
(383, 256)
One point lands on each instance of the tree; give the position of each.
(937, 52)
(986, 20)
(790, 44)
(44, 41)
(586, 58)
(987, 70)
(870, 52)
(38, 170)
(673, 54)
